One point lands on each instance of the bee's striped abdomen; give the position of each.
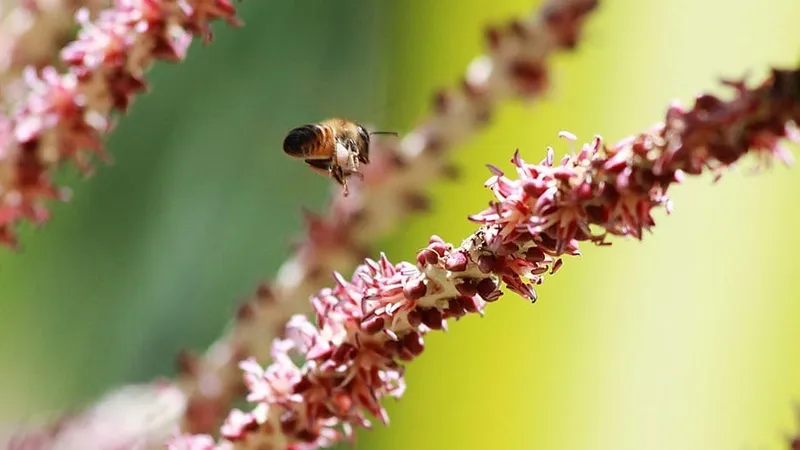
(310, 142)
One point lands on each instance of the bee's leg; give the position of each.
(354, 166)
(321, 166)
(329, 169)
(337, 174)
(356, 173)
(341, 177)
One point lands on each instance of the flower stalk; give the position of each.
(515, 67)
(369, 326)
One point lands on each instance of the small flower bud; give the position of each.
(469, 304)
(487, 263)
(584, 191)
(432, 318)
(530, 76)
(288, 422)
(439, 247)
(265, 294)
(343, 404)
(456, 262)
(414, 318)
(534, 255)
(411, 345)
(455, 308)
(436, 239)
(245, 312)
(509, 248)
(539, 270)
(467, 287)
(303, 385)
(415, 289)
(344, 352)
(547, 242)
(373, 325)
(557, 265)
(427, 256)
(487, 289)
(391, 348)
(416, 201)
(534, 188)
(307, 436)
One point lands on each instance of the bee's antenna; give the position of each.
(393, 133)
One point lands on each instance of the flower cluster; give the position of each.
(65, 115)
(32, 33)
(369, 326)
(618, 187)
(365, 329)
(515, 67)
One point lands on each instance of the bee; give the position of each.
(334, 147)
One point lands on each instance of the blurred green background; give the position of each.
(688, 340)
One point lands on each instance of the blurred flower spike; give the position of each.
(64, 116)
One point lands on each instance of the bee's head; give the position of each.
(364, 140)
(362, 143)
(363, 134)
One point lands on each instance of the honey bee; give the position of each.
(333, 147)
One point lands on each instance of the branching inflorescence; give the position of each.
(516, 66)
(65, 115)
(368, 326)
